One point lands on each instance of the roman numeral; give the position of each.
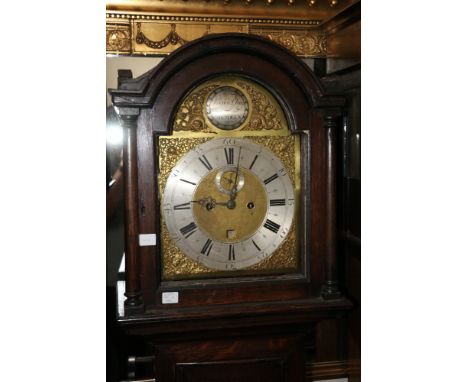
(183, 206)
(207, 247)
(253, 162)
(205, 162)
(270, 179)
(229, 155)
(277, 202)
(189, 182)
(232, 255)
(272, 226)
(256, 246)
(188, 230)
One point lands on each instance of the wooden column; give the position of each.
(134, 301)
(330, 288)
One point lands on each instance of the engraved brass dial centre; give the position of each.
(228, 222)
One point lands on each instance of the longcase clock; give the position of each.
(230, 210)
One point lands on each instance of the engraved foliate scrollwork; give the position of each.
(190, 115)
(265, 115)
(170, 152)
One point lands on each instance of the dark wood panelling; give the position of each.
(326, 370)
(327, 341)
(248, 359)
(232, 371)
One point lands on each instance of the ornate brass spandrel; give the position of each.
(175, 264)
(285, 259)
(171, 150)
(266, 115)
(264, 111)
(284, 148)
(190, 116)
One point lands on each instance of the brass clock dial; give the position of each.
(228, 203)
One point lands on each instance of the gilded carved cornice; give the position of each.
(322, 10)
(303, 43)
(158, 27)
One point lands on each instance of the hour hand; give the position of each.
(209, 203)
(231, 204)
(201, 201)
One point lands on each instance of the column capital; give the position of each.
(128, 116)
(330, 116)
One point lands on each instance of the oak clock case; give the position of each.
(229, 177)
(229, 162)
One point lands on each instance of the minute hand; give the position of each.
(233, 193)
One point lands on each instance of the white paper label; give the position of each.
(147, 239)
(170, 297)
